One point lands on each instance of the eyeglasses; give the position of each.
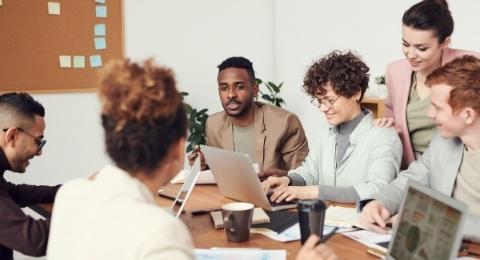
(39, 141)
(328, 102)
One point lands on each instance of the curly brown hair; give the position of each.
(142, 113)
(347, 74)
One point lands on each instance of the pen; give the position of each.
(327, 236)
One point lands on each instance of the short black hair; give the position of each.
(22, 104)
(240, 63)
(430, 15)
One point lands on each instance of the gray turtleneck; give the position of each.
(333, 193)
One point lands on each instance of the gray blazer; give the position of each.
(437, 168)
(372, 159)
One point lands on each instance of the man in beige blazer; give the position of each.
(451, 164)
(272, 136)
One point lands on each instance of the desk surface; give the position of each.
(205, 235)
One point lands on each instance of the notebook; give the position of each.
(338, 216)
(279, 221)
(259, 217)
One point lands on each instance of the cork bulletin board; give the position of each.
(58, 45)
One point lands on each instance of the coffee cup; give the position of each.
(311, 216)
(237, 219)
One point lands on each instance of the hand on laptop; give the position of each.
(311, 252)
(193, 156)
(294, 192)
(375, 217)
(274, 182)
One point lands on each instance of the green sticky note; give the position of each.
(79, 61)
(95, 61)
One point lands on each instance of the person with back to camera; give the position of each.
(426, 31)
(351, 159)
(115, 216)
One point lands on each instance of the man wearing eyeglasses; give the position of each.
(21, 138)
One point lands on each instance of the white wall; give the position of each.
(281, 38)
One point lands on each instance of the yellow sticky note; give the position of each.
(65, 61)
(79, 61)
(54, 8)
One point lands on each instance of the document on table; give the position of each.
(239, 254)
(343, 217)
(290, 234)
(368, 238)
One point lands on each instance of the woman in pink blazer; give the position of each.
(427, 27)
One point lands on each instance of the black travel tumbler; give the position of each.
(311, 216)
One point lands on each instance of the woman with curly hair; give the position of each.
(114, 216)
(351, 159)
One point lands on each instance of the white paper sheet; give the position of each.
(368, 238)
(239, 254)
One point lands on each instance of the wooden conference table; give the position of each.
(204, 234)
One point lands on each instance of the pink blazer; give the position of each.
(398, 80)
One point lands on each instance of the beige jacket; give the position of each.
(279, 137)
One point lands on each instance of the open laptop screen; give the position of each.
(186, 189)
(428, 226)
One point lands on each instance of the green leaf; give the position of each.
(203, 111)
(267, 97)
(274, 87)
(190, 147)
(258, 81)
(188, 108)
(270, 90)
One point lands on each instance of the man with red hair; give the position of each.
(451, 164)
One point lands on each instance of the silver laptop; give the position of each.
(186, 189)
(429, 225)
(236, 178)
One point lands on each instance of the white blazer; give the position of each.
(371, 161)
(113, 217)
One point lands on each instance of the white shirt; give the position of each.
(113, 217)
